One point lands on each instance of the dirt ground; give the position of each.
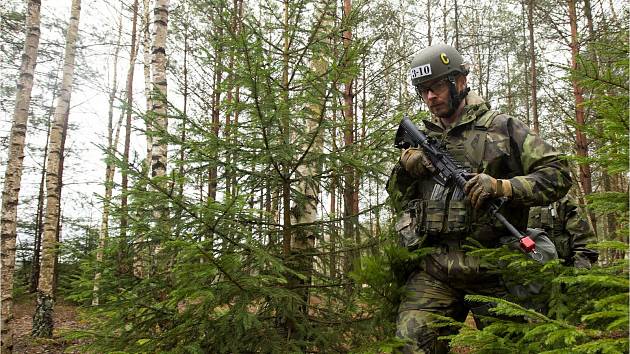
(65, 317)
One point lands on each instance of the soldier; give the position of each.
(507, 160)
(568, 231)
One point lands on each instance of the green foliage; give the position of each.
(586, 311)
(603, 73)
(212, 271)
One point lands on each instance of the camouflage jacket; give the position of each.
(482, 141)
(568, 230)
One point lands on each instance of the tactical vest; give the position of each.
(443, 210)
(547, 218)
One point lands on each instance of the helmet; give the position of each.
(434, 62)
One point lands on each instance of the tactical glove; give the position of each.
(483, 187)
(416, 162)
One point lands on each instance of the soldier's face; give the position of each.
(436, 94)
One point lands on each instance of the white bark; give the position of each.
(146, 49)
(42, 321)
(160, 14)
(13, 174)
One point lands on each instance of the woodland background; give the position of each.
(208, 176)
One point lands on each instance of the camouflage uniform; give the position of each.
(568, 230)
(482, 141)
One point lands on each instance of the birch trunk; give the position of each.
(159, 110)
(39, 220)
(146, 52)
(305, 214)
(158, 151)
(13, 174)
(42, 320)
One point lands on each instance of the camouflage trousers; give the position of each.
(438, 288)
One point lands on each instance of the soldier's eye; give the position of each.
(437, 88)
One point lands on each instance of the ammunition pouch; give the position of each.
(437, 219)
(424, 218)
(407, 226)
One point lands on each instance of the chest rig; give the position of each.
(443, 210)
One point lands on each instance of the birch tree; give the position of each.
(42, 320)
(146, 65)
(159, 84)
(13, 174)
(158, 116)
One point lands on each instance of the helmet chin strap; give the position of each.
(456, 97)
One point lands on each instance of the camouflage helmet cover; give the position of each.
(434, 62)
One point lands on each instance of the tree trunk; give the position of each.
(159, 112)
(350, 214)
(146, 65)
(39, 220)
(429, 36)
(230, 114)
(510, 110)
(13, 174)
(160, 14)
(110, 169)
(182, 153)
(305, 214)
(213, 174)
(123, 248)
(456, 26)
(578, 94)
(42, 320)
(532, 69)
(333, 200)
(477, 50)
(525, 67)
(445, 21)
(62, 158)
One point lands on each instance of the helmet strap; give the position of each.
(456, 97)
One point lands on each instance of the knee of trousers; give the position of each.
(414, 326)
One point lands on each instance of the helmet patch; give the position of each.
(444, 58)
(420, 71)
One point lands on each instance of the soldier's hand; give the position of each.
(416, 162)
(483, 187)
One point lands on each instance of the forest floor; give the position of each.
(65, 318)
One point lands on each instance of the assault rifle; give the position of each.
(450, 171)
